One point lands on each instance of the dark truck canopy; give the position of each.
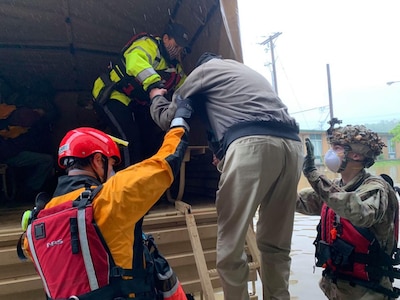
(70, 42)
(67, 44)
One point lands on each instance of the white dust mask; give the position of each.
(332, 160)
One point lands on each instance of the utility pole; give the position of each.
(270, 42)
(329, 91)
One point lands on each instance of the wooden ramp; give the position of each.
(185, 235)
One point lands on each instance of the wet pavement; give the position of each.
(303, 279)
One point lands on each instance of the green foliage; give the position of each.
(396, 133)
(386, 163)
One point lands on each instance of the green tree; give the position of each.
(396, 133)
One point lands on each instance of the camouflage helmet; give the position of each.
(360, 140)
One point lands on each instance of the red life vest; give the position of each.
(353, 254)
(59, 255)
(351, 248)
(72, 259)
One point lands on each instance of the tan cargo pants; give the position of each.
(258, 172)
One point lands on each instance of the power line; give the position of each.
(321, 108)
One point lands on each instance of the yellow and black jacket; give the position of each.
(127, 196)
(145, 63)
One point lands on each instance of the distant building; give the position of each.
(319, 140)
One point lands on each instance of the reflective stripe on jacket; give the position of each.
(145, 62)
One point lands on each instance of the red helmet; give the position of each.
(85, 141)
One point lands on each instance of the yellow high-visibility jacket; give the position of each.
(145, 62)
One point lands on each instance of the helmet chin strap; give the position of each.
(105, 168)
(343, 164)
(97, 175)
(346, 159)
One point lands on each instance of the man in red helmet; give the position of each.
(89, 157)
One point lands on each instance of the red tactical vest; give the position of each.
(349, 252)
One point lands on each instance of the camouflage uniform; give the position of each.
(366, 201)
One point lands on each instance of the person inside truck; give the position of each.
(356, 242)
(121, 96)
(259, 154)
(89, 157)
(22, 148)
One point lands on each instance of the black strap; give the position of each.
(135, 38)
(137, 263)
(395, 293)
(86, 197)
(20, 252)
(105, 92)
(106, 292)
(74, 231)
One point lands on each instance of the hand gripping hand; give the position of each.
(309, 164)
(183, 113)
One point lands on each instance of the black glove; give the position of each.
(148, 100)
(184, 108)
(309, 164)
(158, 85)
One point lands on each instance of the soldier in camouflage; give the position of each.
(354, 203)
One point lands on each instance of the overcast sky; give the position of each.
(358, 39)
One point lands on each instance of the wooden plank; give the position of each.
(8, 256)
(34, 294)
(194, 286)
(185, 259)
(9, 237)
(178, 235)
(21, 284)
(252, 245)
(202, 270)
(17, 270)
(172, 218)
